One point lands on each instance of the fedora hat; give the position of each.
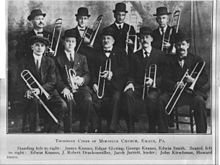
(161, 11)
(108, 32)
(70, 33)
(34, 13)
(120, 7)
(82, 11)
(179, 37)
(145, 31)
(40, 39)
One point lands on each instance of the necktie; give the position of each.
(107, 51)
(146, 54)
(71, 58)
(120, 27)
(39, 32)
(163, 31)
(38, 65)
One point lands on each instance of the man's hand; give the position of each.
(95, 88)
(86, 40)
(79, 81)
(189, 79)
(129, 41)
(67, 94)
(30, 93)
(166, 44)
(110, 74)
(129, 86)
(149, 81)
(180, 84)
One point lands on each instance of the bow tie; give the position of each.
(182, 58)
(39, 32)
(107, 51)
(82, 29)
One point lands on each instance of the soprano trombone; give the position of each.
(152, 74)
(101, 80)
(32, 83)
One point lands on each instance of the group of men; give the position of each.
(121, 71)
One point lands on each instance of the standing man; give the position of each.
(116, 64)
(76, 94)
(141, 62)
(175, 69)
(122, 29)
(164, 31)
(43, 69)
(37, 19)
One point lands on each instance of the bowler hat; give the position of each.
(179, 37)
(34, 13)
(120, 7)
(145, 31)
(82, 11)
(40, 39)
(108, 32)
(162, 11)
(70, 33)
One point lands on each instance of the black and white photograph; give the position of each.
(90, 81)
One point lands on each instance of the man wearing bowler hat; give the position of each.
(140, 65)
(114, 68)
(43, 69)
(161, 34)
(122, 29)
(36, 17)
(176, 66)
(76, 94)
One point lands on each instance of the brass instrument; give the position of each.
(91, 35)
(71, 77)
(174, 24)
(58, 25)
(101, 79)
(178, 91)
(128, 36)
(152, 73)
(32, 83)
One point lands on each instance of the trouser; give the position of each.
(108, 107)
(33, 111)
(84, 104)
(196, 102)
(150, 101)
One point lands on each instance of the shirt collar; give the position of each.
(80, 29)
(122, 25)
(36, 32)
(165, 28)
(69, 53)
(36, 57)
(148, 50)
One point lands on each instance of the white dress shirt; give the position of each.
(37, 60)
(147, 51)
(68, 54)
(121, 25)
(81, 30)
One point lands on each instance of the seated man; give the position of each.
(43, 69)
(176, 67)
(73, 86)
(141, 63)
(114, 67)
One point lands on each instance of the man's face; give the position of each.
(70, 44)
(38, 48)
(146, 41)
(107, 41)
(38, 21)
(82, 21)
(119, 17)
(162, 20)
(182, 48)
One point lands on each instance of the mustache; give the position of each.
(41, 23)
(180, 49)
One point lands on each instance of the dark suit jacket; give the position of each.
(157, 42)
(121, 35)
(79, 65)
(119, 67)
(23, 47)
(46, 77)
(174, 72)
(139, 65)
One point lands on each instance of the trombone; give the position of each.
(152, 73)
(71, 77)
(91, 35)
(136, 46)
(31, 82)
(101, 79)
(58, 25)
(197, 70)
(174, 24)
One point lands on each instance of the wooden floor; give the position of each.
(141, 126)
